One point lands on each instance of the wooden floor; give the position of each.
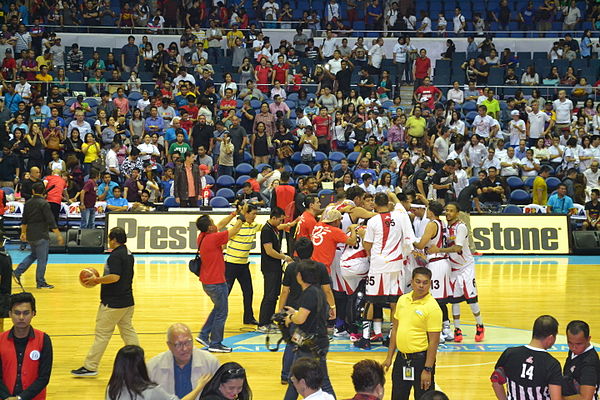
(513, 292)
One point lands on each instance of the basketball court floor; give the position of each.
(513, 291)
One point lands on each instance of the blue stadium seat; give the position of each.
(247, 157)
(473, 179)
(337, 167)
(302, 169)
(259, 167)
(471, 116)
(227, 193)
(336, 156)
(170, 202)
(296, 157)
(325, 191)
(514, 182)
(469, 106)
(352, 157)
(243, 169)
(512, 209)
(219, 202)
(529, 181)
(210, 180)
(519, 196)
(552, 182)
(316, 168)
(241, 180)
(225, 181)
(320, 156)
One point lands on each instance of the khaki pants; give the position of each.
(466, 219)
(106, 321)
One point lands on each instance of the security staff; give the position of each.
(310, 320)
(416, 335)
(582, 367)
(25, 353)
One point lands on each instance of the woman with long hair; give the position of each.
(228, 383)
(91, 152)
(259, 144)
(72, 145)
(385, 183)
(130, 380)
(35, 142)
(325, 174)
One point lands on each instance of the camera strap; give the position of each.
(268, 341)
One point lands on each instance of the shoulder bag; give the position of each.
(195, 263)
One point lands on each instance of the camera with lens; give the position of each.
(293, 335)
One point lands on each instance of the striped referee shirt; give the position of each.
(529, 371)
(239, 246)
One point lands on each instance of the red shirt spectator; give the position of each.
(255, 185)
(212, 255)
(281, 72)
(321, 124)
(422, 66)
(55, 187)
(428, 94)
(262, 77)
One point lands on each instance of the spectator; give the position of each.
(492, 190)
(572, 15)
(592, 212)
(539, 191)
(560, 203)
(459, 21)
(422, 68)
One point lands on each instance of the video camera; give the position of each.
(294, 335)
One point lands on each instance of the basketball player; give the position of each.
(582, 367)
(388, 241)
(462, 271)
(434, 235)
(308, 220)
(530, 371)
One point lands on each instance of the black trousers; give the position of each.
(55, 208)
(241, 273)
(272, 288)
(400, 387)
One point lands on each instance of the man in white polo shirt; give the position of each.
(563, 108)
(536, 123)
(509, 164)
(484, 125)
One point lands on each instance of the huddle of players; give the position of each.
(394, 235)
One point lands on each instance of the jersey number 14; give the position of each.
(527, 372)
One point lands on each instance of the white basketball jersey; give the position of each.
(438, 240)
(392, 237)
(458, 234)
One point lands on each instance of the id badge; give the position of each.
(408, 373)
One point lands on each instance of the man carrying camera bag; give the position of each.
(308, 324)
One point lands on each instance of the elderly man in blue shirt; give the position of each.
(560, 203)
(154, 123)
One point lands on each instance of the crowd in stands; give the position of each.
(253, 111)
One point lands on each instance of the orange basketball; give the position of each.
(86, 274)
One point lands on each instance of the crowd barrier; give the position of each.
(175, 232)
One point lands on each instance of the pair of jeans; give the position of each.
(39, 252)
(401, 69)
(272, 280)
(225, 170)
(400, 387)
(214, 327)
(292, 393)
(88, 218)
(241, 273)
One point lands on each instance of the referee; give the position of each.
(582, 367)
(416, 334)
(530, 369)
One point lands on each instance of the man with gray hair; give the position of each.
(180, 369)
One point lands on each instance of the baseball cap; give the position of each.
(514, 112)
(331, 215)
(204, 168)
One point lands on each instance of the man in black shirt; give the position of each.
(201, 133)
(270, 265)
(530, 369)
(291, 291)
(482, 70)
(492, 189)
(116, 302)
(467, 197)
(27, 184)
(310, 320)
(419, 182)
(582, 367)
(250, 196)
(344, 76)
(443, 182)
(36, 222)
(592, 212)
(25, 353)
(9, 167)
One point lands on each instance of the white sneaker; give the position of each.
(340, 334)
(447, 334)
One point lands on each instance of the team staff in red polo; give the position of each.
(25, 354)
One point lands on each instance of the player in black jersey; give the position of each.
(582, 367)
(530, 372)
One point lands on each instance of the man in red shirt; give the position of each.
(87, 201)
(322, 126)
(280, 71)
(326, 235)
(56, 188)
(308, 219)
(427, 93)
(227, 103)
(422, 68)
(212, 275)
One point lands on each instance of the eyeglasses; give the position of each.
(181, 345)
(236, 372)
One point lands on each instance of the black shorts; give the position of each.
(383, 299)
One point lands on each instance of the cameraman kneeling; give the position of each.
(308, 324)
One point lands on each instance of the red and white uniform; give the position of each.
(392, 237)
(462, 264)
(439, 265)
(338, 281)
(354, 264)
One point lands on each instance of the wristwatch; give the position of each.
(428, 369)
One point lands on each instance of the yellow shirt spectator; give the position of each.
(239, 246)
(415, 319)
(540, 191)
(91, 151)
(416, 126)
(232, 35)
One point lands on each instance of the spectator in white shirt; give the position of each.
(367, 184)
(333, 10)
(425, 27)
(484, 125)
(456, 94)
(516, 128)
(400, 59)
(270, 9)
(476, 152)
(459, 21)
(592, 175)
(376, 56)
(509, 165)
(572, 16)
(536, 123)
(563, 108)
(329, 45)
(491, 160)
(307, 377)
(529, 165)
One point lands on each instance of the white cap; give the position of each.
(515, 112)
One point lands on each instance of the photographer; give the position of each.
(309, 324)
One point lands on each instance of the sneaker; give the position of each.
(252, 321)
(458, 336)
(22, 247)
(203, 342)
(340, 334)
(479, 333)
(363, 344)
(447, 335)
(355, 337)
(45, 285)
(83, 372)
(377, 338)
(219, 348)
(265, 328)
(17, 278)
